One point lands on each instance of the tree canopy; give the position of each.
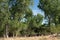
(52, 11)
(17, 19)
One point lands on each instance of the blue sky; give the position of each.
(35, 9)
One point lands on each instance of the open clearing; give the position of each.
(32, 38)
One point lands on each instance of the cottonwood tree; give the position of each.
(11, 12)
(4, 15)
(52, 10)
(18, 9)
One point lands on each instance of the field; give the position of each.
(32, 38)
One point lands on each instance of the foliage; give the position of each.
(17, 19)
(51, 9)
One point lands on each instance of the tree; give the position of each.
(34, 23)
(52, 13)
(11, 13)
(4, 15)
(18, 9)
(51, 9)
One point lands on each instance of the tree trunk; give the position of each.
(13, 34)
(16, 34)
(49, 21)
(6, 31)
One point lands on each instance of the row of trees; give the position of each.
(11, 14)
(51, 10)
(17, 19)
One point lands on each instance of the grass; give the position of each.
(31, 38)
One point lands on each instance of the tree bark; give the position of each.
(13, 34)
(6, 31)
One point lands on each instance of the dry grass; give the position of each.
(31, 38)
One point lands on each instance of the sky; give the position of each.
(35, 9)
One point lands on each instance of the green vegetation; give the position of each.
(17, 19)
(52, 13)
